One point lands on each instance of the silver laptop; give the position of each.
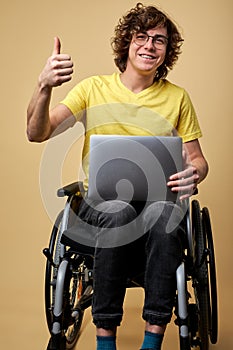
(133, 168)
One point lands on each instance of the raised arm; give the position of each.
(41, 122)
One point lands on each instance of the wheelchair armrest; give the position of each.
(73, 188)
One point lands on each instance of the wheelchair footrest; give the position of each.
(57, 342)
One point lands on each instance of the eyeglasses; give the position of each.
(159, 41)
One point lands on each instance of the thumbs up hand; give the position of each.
(58, 69)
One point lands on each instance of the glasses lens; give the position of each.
(141, 39)
(160, 40)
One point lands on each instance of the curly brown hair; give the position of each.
(140, 19)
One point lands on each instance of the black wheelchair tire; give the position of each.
(213, 326)
(201, 283)
(50, 271)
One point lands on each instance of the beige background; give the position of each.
(205, 69)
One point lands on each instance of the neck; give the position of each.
(136, 82)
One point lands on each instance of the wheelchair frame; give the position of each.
(69, 279)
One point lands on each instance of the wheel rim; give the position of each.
(50, 273)
(75, 287)
(73, 329)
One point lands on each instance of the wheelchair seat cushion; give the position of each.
(79, 238)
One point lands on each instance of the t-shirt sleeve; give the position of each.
(76, 99)
(188, 125)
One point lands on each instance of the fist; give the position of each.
(58, 69)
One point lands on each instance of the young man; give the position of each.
(146, 45)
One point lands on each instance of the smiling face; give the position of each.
(145, 59)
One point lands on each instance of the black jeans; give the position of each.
(130, 239)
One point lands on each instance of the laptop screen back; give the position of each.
(133, 167)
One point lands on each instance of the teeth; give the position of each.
(147, 56)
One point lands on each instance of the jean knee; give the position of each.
(114, 213)
(166, 217)
(116, 221)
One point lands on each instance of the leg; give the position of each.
(111, 259)
(114, 222)
(163, 226)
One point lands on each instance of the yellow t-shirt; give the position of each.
(106, 106)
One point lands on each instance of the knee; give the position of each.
(163, 217)
(115, 213)
(116, 222)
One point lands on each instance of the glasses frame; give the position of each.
(155, 38)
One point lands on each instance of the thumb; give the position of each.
(57, 46)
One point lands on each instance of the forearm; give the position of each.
(38, 122)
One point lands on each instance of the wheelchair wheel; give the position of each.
(72, 291)
(51, 269)
(72, 312)
(200, 278)
(213, 324)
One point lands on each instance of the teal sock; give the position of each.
(106, 343)
(152, 341)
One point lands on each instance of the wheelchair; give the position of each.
(69, 279)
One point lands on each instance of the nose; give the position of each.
(149, 44)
